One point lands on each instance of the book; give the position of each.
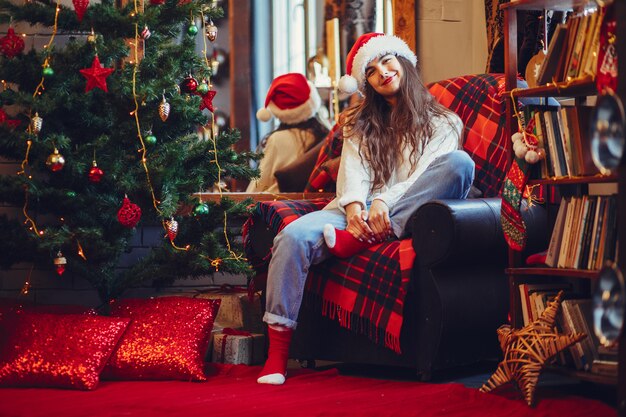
(555, 48)
(567, 326)
(611, 236)
(557, 234)
(591, 213)
(591, 47)
(552, 145)
(576, 57)
(572, 26)
(597, 233)
(582, 115)
(580, 234)
(565, 140)
(559, 143)
(566, 241)
(576, 349)
(582, 326)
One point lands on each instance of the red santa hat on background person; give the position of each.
(291, 98)
(368, 47)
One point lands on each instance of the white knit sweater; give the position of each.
(355, 175)
(282, 148)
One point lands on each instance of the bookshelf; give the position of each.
(583, 279)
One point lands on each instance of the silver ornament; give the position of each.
(164, 109)
(36, 123)
(172, 228)
(211, 31)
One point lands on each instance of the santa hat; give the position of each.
(291, 98)
(368, 47)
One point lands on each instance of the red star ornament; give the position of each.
(96, 76)
(207, 101)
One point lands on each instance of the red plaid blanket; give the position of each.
(478, 101)
(366, 293)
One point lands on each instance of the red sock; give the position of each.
(342, 244)
(278, 354)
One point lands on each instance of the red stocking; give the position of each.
(342, 244)
(275, 367)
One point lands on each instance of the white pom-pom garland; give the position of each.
(527, 149)
(521, 150)
(531, 157)
(517, 136)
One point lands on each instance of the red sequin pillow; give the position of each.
(57, 350)
(167, 338)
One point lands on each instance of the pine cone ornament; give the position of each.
(164, 109)
(36, 123)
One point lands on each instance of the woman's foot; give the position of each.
(275, 368)
(342, 244)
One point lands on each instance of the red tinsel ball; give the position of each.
(157, 2)
(189, 85)
(11, 44)
(80, 6)
(95, 173)
(129, 214)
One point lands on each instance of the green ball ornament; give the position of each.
(48, 72)
(192, 30)
(151, 140)
(201, 209)
(71, 194)
(203, 88)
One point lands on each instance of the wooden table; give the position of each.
(241, 196)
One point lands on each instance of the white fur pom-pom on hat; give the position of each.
(264, 115)
(348, 84)
(290, 98)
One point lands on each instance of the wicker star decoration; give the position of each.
(207, 101)
(527, 350)
(96, 75)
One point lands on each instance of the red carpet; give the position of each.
(233, 391)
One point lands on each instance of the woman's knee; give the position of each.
(461, 164)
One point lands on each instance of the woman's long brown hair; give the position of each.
(385, 131)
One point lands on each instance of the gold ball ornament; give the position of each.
(528, 350)
(164, 109)
(55, 161)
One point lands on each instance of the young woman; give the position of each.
(295, 102)
(400, 150)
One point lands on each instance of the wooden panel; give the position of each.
(239, 21)
(404, 22)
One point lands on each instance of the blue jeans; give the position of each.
(301, 243)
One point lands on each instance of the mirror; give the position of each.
(608, 305)
(607, 133)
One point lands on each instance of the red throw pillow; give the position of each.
(167, 338)
(57, 350)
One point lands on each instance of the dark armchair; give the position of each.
(452, 295)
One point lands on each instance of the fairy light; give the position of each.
(217, 261)
(29, 143)
(135, 113)
(26, 287)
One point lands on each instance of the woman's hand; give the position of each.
(357, 226)
(378, 220)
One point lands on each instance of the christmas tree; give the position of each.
(105, 129)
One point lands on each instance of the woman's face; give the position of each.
(384, 75)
